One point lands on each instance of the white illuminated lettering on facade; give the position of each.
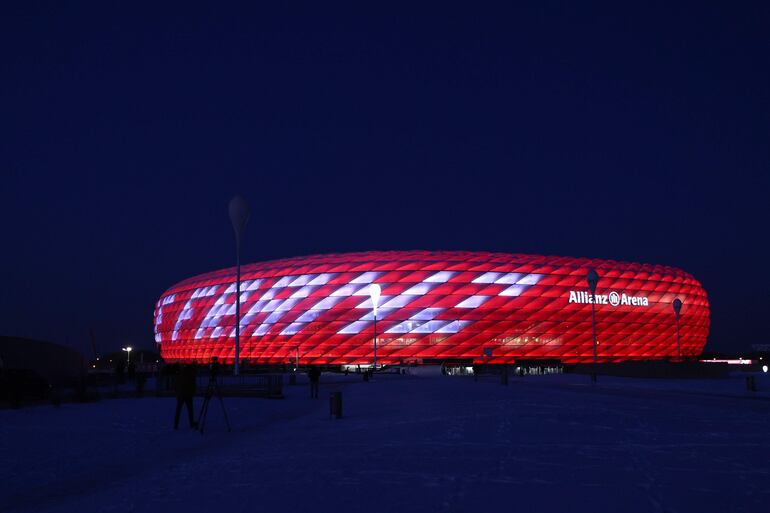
(613, 299)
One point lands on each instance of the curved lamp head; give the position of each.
(592, 277)
(677, 304)
(239, 216)
(374, 293)
(127, 349)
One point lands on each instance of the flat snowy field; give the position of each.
(406, 443)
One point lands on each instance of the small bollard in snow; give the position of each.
(750, 385)
(335, 405)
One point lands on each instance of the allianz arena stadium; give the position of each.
(440, 306)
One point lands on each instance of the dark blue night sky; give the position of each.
(636, 133)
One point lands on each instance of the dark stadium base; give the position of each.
(636, 369)
(653, 369)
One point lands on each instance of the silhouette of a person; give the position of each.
(120, 372)
(314, 374)
(184, 386)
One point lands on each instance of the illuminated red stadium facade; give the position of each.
(435, 306)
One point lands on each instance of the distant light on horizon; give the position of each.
(733, 361)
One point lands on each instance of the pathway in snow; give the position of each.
(550, 443)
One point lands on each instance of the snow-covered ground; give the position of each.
(406, 443)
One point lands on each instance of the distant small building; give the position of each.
(56, 363)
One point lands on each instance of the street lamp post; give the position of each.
(592, 277)
(239, 216)
(128, 350)
(374, 293)
(677, 304)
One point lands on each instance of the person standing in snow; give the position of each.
(184, 386)
(314, 374)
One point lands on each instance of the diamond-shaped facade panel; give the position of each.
(434, 306)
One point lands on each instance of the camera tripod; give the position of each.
(211, 389)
